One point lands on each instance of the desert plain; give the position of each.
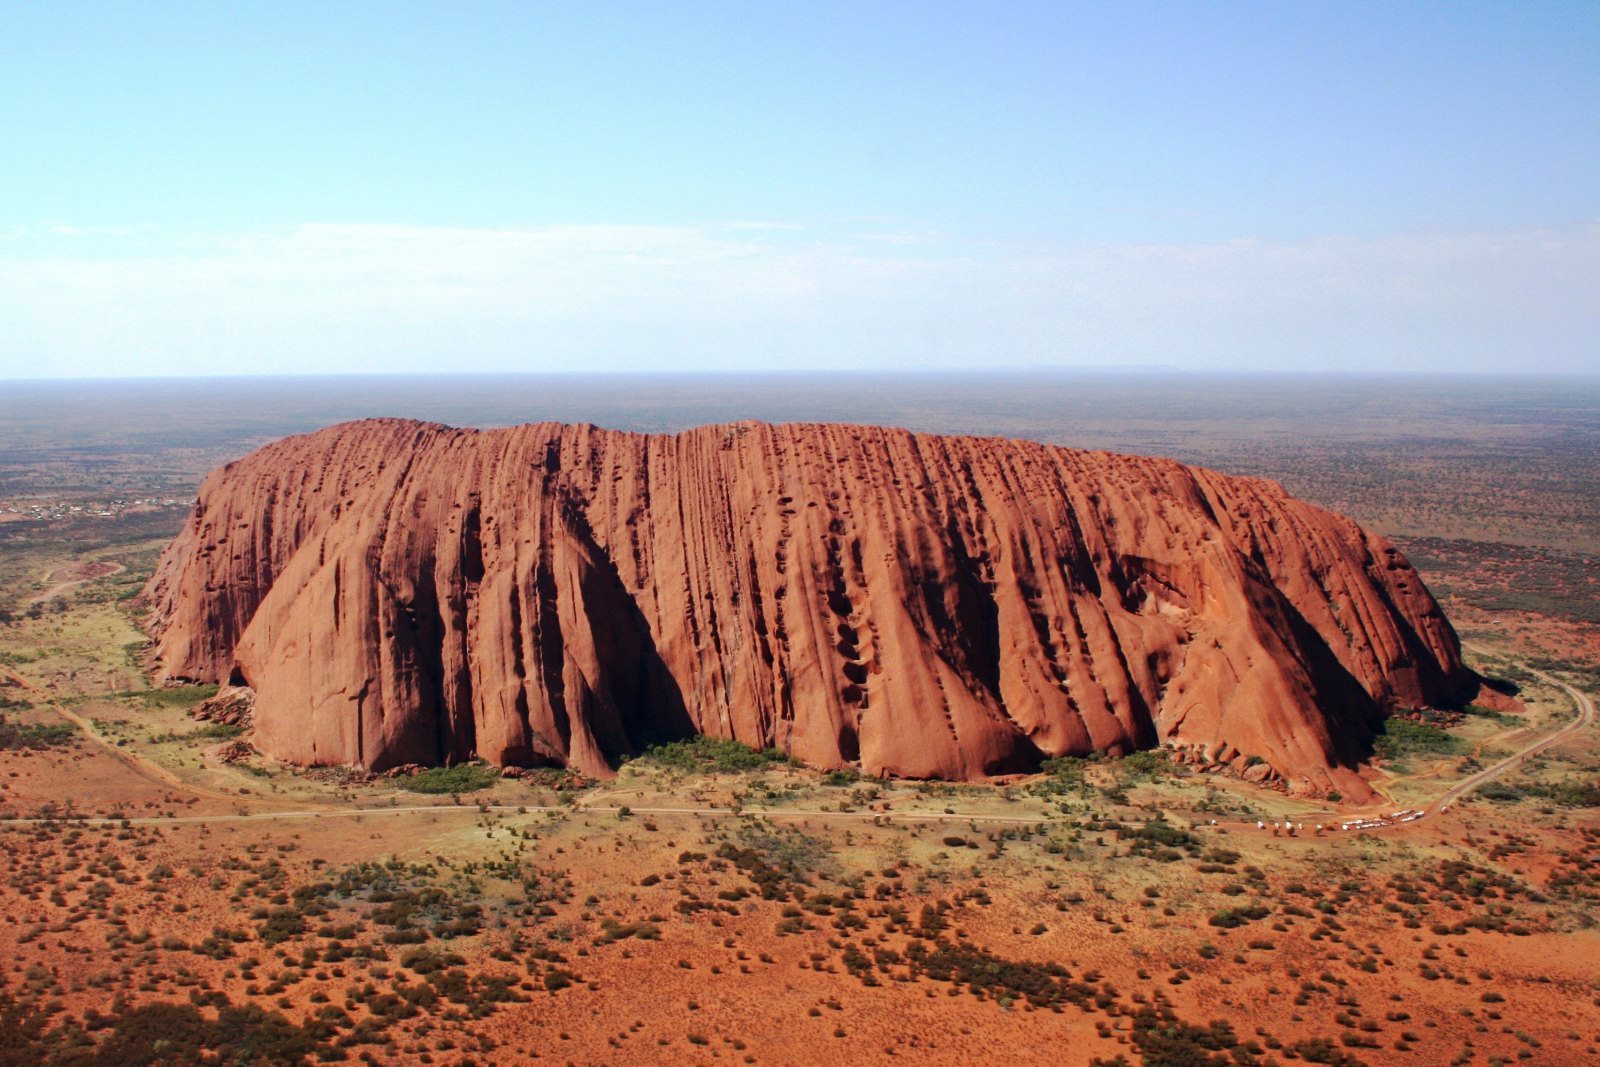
(170, 895)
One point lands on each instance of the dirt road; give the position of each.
(62, 586)
(534, 809)
(1586, 716)
(146, 768)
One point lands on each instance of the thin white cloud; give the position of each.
(405, 298)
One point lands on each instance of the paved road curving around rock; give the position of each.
(1585, 717)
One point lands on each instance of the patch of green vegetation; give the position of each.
(461, 778)
(181, 1033)
(281, 924)
(778, 860)
(1480, 712)
(1042, 985)
(427, 961)
(1229, 918)
(211, 731)
(177, 696)
(1402, 737)
(1569, 793)
(15, 736)
(612, 930)
(713, 754)
(1572, 793)
(1138, 766)
(1064, 774)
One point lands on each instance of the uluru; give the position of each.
(916, 605)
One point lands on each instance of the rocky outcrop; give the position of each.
(951, 607)
(228, 706)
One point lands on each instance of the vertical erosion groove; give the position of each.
(931, 607)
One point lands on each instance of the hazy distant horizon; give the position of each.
(1110, 407)
(749, 187)
(1283, 426)
(822, 374)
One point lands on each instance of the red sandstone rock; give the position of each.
(229, 705)
(952, 607)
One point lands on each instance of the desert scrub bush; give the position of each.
(778, 861)
(715, 754)
(1064, 774)
(427, 961)
(180, 1033)
(1229, 918)
(1138, 766)
(177, 696)
(1402, 737)
(15, 736)
(211, 731)
(612, 930)
(1162, 834)
(281, 925)
(1481, 712)
(460, 778)
(1571, 793)
(1500, 791)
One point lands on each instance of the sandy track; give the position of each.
(146, 768)
(1585, 717)
(61, 587)
(535, 809)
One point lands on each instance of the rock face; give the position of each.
(946, 607)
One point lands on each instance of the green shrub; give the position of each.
(1229, 918)
(1571, 793)
(1482, 712)
(1402, 737)
(461, 778)
(19, 735)
(1063, 775)
(211, 731)
(177, 696)
(1150, 763)
(714, 754)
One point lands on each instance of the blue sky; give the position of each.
(335, 187)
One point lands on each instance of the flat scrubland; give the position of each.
(715, 904)
(166, 896)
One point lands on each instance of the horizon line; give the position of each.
(966, 371)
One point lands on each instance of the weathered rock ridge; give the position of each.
(952, 607)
